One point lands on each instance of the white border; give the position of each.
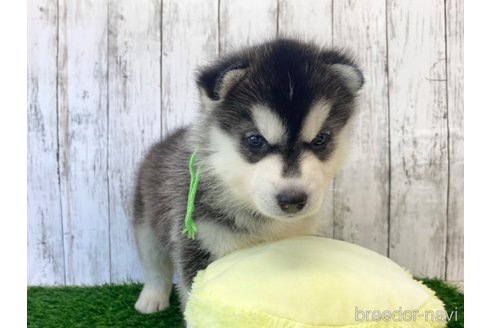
(478, 164)
(13, 136)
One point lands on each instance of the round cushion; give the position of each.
(309, 282)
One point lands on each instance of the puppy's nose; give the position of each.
(292, 201)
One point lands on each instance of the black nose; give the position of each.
(292, 201)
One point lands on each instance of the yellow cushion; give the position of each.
(309, 282)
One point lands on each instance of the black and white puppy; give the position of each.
(272, 132)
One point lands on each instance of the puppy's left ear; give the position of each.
(215, 82)
(350, 74)
(340, 63)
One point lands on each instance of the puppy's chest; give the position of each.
(220, 241)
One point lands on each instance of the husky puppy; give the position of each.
(271, 133)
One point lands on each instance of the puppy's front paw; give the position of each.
(151, 301)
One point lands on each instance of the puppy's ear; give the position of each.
(215, 82)
(341, 64)
(351, 74)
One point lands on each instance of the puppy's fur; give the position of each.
(271, 134)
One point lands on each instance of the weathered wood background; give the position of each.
(106, 78)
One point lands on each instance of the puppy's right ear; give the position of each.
(215, 82)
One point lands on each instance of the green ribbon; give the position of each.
(190, 225)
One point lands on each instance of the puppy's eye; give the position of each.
(256, 142)
(320, 140)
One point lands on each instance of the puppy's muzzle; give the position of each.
(292, 201)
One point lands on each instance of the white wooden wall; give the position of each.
(106, 78)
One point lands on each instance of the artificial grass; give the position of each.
(453, 300)
(101, 306)
(112, 306)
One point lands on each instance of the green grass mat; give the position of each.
(112, 306)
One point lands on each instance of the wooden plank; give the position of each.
(361, 189)
(246, 22)
(84, 139)
(189, 39)
(44, 225)
(418, 135)
(310, 21)
(306, 20)
(134, 117)
(455, 231)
